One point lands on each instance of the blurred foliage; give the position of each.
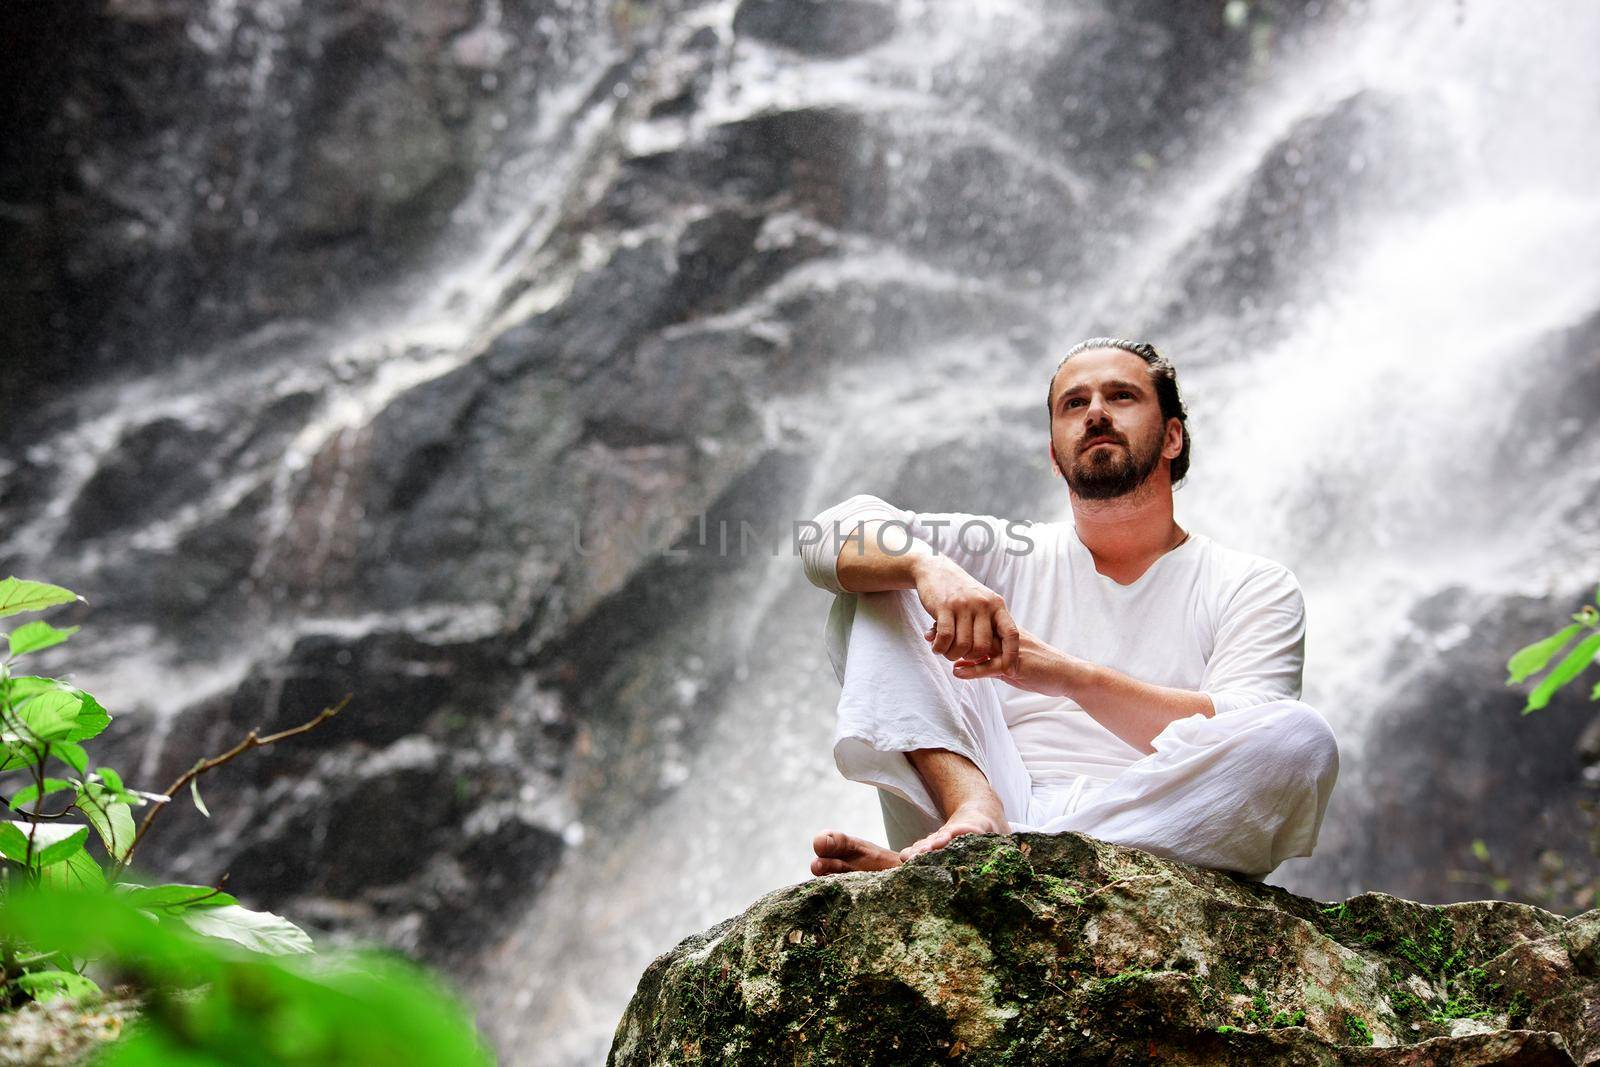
(44, 724)
(220, 983)
(209, 1003)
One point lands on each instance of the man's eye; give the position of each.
(1124, 393)
(1074, 402)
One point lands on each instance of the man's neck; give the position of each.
(1127, 534)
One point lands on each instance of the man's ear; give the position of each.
(1055, 468)
(1174, 441)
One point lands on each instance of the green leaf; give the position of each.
(173, 899)
(72, 755)
(79, 872)
(18, 754)
(24, 686)
(260, 931)
(29, 793)
(51, 716)
(1596, 694)
(63, 849)
(114, 824)
(92, 718)
(17, 594)
(1480, 850)
(35, 636)
(13, 842)
(194, 790)
(88, 720)
(1568, 669)
(113, 782)
(45, 986)
(14, 838)
(1531, 660)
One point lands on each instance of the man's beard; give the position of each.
(1104, 474)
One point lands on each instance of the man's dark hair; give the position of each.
(1162, 373)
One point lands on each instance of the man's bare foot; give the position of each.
(977, 818)
(839, 852)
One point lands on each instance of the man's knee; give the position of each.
(1293, 761)
(1314, 740)
(1295, 739)
(1305, 742)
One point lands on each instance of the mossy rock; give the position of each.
(1062, 948)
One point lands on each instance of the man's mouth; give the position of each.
(1098, 441)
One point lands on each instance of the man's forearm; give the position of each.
(1133, 710)
(878, 557)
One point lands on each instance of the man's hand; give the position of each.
(1038, 668)
(970, 620)
(1133, 710)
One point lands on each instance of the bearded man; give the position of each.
(1151, 700)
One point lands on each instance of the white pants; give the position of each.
(1242, 791)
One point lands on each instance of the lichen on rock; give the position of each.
(1062, 948)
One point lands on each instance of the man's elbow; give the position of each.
(818, 539)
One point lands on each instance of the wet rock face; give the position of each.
(419, 814)
(177, 172)
(1061, 948)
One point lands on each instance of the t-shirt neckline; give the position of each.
(1193, 539)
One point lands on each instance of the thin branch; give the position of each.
(251, 740)
(46, 816)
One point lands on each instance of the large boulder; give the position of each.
(1061, 948)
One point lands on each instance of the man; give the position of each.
(1151, 698)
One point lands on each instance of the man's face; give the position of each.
(1106, 429)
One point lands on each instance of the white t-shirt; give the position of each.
(1202, 617)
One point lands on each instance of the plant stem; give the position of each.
(251, 740)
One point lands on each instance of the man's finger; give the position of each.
(970, 669)
(962, 645)
(944, 631)
(1010, 641)
(982, 638)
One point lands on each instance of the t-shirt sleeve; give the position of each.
(979, 544)
(1260, 650)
